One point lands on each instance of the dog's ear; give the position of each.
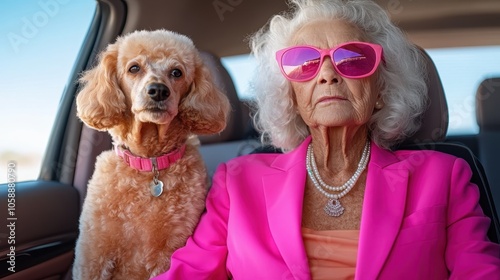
(204, 110)
(101, 103)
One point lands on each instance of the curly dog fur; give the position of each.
(152, 93)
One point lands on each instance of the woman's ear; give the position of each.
(101, 103)
(204, 110)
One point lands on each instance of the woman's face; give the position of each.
(329, 99)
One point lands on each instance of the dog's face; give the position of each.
(155, 73)
(151, 77)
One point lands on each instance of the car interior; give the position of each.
(48, 209)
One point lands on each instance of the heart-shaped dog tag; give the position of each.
(156, 188)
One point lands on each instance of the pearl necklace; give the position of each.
(333, 207)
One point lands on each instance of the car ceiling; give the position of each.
(223, 26)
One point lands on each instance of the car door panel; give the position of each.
(41, 223)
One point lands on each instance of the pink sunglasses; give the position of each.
(352, 60)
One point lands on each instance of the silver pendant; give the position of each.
(156, 188)
(333, 208)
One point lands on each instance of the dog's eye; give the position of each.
(176, 73)
(134, 69)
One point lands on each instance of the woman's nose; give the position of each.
(327, 73)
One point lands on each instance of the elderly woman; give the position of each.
(337, 86)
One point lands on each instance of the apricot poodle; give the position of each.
(152, 93)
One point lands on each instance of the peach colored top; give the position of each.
(331, 253)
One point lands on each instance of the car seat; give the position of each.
(237, 138)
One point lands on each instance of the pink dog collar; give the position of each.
(149, 164)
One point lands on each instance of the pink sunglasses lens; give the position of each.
(300, 63)
(355, 60)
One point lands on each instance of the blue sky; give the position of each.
(39, 41)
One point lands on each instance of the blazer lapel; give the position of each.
(284, 193)
(383, 210)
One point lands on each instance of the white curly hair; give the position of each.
(401, 76)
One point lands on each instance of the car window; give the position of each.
(461, 71)
(40, 42)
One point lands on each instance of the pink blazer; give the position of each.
(421, 220)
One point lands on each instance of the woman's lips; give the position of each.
(331, 98)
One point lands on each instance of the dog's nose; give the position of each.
(158, 92)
